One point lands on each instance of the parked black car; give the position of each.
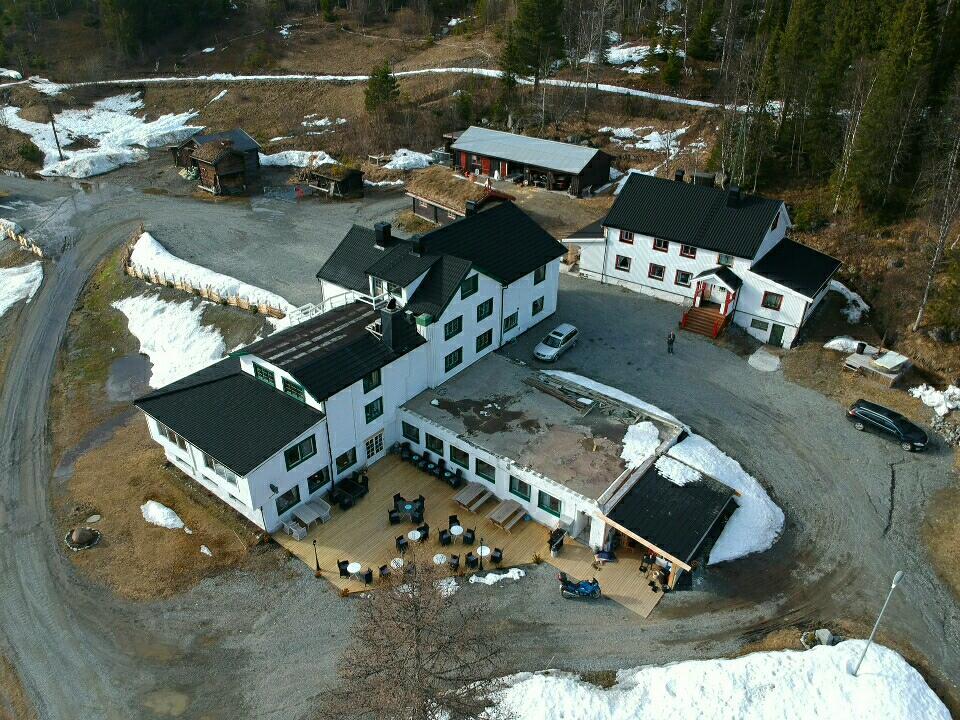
(866, 415)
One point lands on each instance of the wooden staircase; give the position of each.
(704, 321)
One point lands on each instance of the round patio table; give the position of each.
(354, 568)
(413, 535)
(483, 551)
(439, 559)
(396, 563)
(456, 530)
(407, 507)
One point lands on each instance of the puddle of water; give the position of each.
(280, 192)
(166, 703)
(129, 377)
(96, 437)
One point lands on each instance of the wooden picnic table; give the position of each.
(507, 514)
(472, 496)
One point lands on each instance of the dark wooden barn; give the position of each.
(218, 156)
(336, 180)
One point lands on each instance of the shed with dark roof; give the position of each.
(798, 267)
(228, 162)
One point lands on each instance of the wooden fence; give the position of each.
(16, 233)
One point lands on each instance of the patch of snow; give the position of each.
(12, 74)
(756, 523)
(764, 360)
(159, 514)
(494, 578)
(19, 283)
(942, 401)
(640, 70)
(856, 305)
(843, 343)
(383, 183)
(206, 551)
(281, 137)
(404, 159)
(296, 158)
(613, 37)
(614, 393)
(456, 21)
(615, 174)
(285, 30)
(219, 96)
(786, 684)
(171, 335)
(676, 472)
(447, 586)
(640, 443)
(309, 121)
(150, 256)
(208, 50)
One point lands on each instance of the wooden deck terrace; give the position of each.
(364, 534)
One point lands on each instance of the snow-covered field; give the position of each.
(856, 306)
(171, 335)
(786, 685)
(119, 136)
(19, 283)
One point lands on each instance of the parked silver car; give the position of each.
(558, 341)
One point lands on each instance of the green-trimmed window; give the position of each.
(348, 459)
(519, 488)
(548, 503)
(294, 390)
(486, 470)
(303, 450)
(262, 373)
(537, 306)
(411, 432)
(318, 480)
(511, 321)
(373, 410)
(724, 259)
(484, 340)
(434, 444)
(485, 309)
(453, 328)
(460, 457)
(540, 274)
(372, 381)
(469, 286)
(453, 359)
(286, 501)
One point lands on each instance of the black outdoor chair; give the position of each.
(420, 502)
(457, 479)
(364, 482)
(469, 536)
(438, 469)
(395, 448)
(424, 532)
(397, 499)
(342, 565)
(454, 562)
(368, 577)
(415, 457)
(395, 516)
(346, 501)
(401, 544)
(416, 516)
(405, 451)
(496, 556)
(472, 560)
(454, 520)
(384, 571)
(445, 537)
(425, 460)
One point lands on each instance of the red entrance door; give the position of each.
(485, 166)
(463, 160)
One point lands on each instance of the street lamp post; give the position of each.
(316, 558)
(893, 586)
(480, 554)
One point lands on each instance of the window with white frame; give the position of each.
(218, 469)
(374, 445)
(302, 451)
(320, 478)
(171, 436)
(411, 432)
(486, 470)
(688, 251)
(373, 410)
(346, 460)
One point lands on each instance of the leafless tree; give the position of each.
(861, 87)
(418, 652)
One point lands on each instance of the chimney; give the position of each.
(471, 207)
(390, 324)
(417, 249)
(382, 232)
(733, 196)
(678, 175)
(704, 178)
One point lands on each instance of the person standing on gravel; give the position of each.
(671, 338)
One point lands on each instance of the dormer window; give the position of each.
(776, 221)
(469, 286)
(382, 287)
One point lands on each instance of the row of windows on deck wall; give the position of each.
(483, 469)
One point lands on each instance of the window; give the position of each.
(318, 480)
(688, 251)
(661, 245)
(548, 503)
(776, 221)
(724, 259)
(172, 436)
(373, 410)
(469, 286)
(411, 432)
(374, 445)
(293, 390)
(486, 470)
(460, 457)
(622, 263)
(772, 301)
(451, 215)
(286, 501)
(303, 450)
(485, 309)
(510, 321)
(453, 328)
(759, 324)
(537, 306)
(372, 381)
(484, 340)
(626, 237)
(655, 271)
(682, 278)
(219, 469)
(452, 360)
(348, 459)
(540, 274)
(434, 444)
(519, 488)
(261, 373)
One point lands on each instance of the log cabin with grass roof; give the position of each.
(336, 180)
(441, 197)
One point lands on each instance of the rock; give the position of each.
(93, 519)
(895, 263)
(824, 636)
(938, 334)
(82, 536)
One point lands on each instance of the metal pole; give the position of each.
(54, 127)
(893, 586)
(480, 554)
(316, 557)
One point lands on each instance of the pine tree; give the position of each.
(701, 45)
(382, 90)
(672, 71)
(534, 41)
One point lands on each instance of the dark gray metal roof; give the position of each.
(548, 154)
(347, 265)
(590, 232)
(727, 276)
(401, 263)
(439, 286)
(693, 215)
(798, 267)
(241, 141)
(675, 518)
(230, 415)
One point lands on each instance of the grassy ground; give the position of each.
(14, 704)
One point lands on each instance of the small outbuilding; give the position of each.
(442, 197)
(228, 162)
(336, 180)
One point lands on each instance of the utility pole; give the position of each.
(55, 136)
(893, 586)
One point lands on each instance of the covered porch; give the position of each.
(714, 301)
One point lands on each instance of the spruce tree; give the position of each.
(534, 41)
(382, 89)
(701, 45)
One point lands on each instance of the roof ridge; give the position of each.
(531, 137)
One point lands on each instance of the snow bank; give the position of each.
(788, 685)
(219, 96)
(296, 158)
(756, 524)
(19, 283)
(676, 472)
(764, 360)
(171, 335)
(206, 551)
(159, 514)
(314, 121)
(11, 74)
(118, 135)
(667, 142)
(843, 343)
(150, 256)
(494, 578)
(208, 50)
(615, 393)
(942, 401)
(404, 159)
(856, 305)
(640, 443)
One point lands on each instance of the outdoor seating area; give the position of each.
(434, 466)
(306, 516)
(449, 535)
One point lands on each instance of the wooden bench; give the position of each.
(466, 497)
(507, 514)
